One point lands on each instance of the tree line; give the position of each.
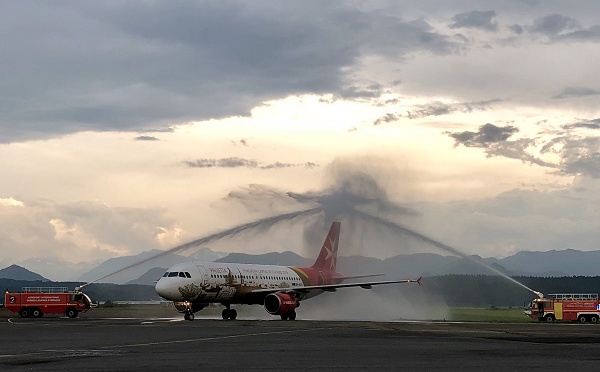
(456, 290)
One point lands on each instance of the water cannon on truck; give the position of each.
(36, 301)
(581, 307)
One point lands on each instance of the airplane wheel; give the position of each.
(232, 314)
(225, 314)
(188, 316)
(292, 315)
(284, 317)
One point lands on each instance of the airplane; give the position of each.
(194, 285)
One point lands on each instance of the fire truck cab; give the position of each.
(581, 307)
(37, 301)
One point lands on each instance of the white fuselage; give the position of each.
(223, 282)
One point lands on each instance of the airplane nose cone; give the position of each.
(166, 291)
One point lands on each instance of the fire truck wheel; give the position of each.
(71, 312)
(594, 319)
(24, 312)
(549, 318)
(582, 319)
(36, 313)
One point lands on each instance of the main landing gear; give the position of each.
(229, 313)
(291, 315)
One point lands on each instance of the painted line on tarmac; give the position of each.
(213, 338)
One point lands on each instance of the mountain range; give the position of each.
(17, 272)
(554, 263)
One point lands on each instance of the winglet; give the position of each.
(419, 280)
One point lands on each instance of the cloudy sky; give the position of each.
(127, 126)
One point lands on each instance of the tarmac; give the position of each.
(96, 342)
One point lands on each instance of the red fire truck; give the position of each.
(37, 301)
(582, 307)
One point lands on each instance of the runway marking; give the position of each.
(94, 352)
(216, 338)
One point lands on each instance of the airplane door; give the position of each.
(203, 275)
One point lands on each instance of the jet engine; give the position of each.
(188, 307)
(280, 303)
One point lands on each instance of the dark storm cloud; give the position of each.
(581, 156)
(577, 155)
(146, 138)
(495, 141)
(572, 92)
(387, 118)
(440, 108)
(553, 24)
(517, 29)
(485, 136)
(437, 109)
(475, 19)
(588, 165)
(560, 28)
(591, 34)
(235, 162)
(136, 65)
(588, 124)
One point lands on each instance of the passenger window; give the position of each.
(174, 273)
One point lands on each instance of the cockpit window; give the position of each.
(165, 274)
(181, 274)
(172, 274)
(187, 275)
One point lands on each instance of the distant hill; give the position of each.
(17, 272)
(114, 264)
(161, 259)
(553, 263)
(286, 258)
(149, 277)
(57, 269)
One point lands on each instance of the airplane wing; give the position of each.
(345, 277)
(334, 287)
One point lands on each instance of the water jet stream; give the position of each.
(263, 223)
(401, 229)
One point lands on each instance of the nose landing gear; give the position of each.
(188, 316)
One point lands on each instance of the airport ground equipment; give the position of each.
(34, 302)
(581, 307)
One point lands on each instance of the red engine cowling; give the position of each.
(280, 303)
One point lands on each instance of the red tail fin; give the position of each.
(327, 259)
